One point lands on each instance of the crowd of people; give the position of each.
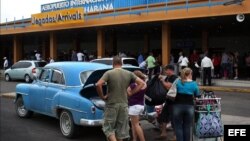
(226, 65)
(125, 99)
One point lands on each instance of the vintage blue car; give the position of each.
(65, 90)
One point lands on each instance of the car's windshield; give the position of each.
(132, 62)
(40, 64)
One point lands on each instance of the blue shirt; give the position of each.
(189, 88)
(186, 92)
(140, 59)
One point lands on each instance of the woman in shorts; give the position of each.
(136, 107)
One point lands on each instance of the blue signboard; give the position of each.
(89, 5)
(96, 5)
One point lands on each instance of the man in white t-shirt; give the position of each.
(6, 63)
(182, 61)
(80, 56)
(207, 66)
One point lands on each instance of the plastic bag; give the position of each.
(172, 92)
(155, 93)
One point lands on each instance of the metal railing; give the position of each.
(129, 7)
(15, 24)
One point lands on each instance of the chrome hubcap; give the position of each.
(65, 123)
(21, 109)
(7, 77)
(27, 79)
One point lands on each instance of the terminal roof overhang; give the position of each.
(141, 14)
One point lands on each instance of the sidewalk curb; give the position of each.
(9, 95)
(228, 83)
(226, 89)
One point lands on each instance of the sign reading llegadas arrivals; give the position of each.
(67, 16)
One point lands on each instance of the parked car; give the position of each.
(24, 70)
(127, 61)
(65, 90)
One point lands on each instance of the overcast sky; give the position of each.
(20, 8)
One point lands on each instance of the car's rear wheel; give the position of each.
(21, 109)
(7, 77)
(27, 78)
(67, 125)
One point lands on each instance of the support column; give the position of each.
(18, 51)
(100, 43)
(204, 41)
(112, 44)
(44, 53)
(146, 43)
(3, 49)
(166, 43)
(53, 45)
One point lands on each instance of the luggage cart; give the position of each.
(207, 103)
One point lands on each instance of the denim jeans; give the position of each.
(183, 119)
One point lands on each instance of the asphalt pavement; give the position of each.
(37, 128)
(44, 128)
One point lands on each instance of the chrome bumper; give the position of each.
(87, 122)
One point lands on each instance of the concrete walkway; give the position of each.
(229, 83)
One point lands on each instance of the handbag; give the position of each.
(209, 125)
(172, 92)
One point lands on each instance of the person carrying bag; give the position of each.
(183, 109)
(155, 93)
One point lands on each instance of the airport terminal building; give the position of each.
(106, 27)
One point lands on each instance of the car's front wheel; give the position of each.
(21, 110)
(27, 78)
(67, 125)
(7, 77)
